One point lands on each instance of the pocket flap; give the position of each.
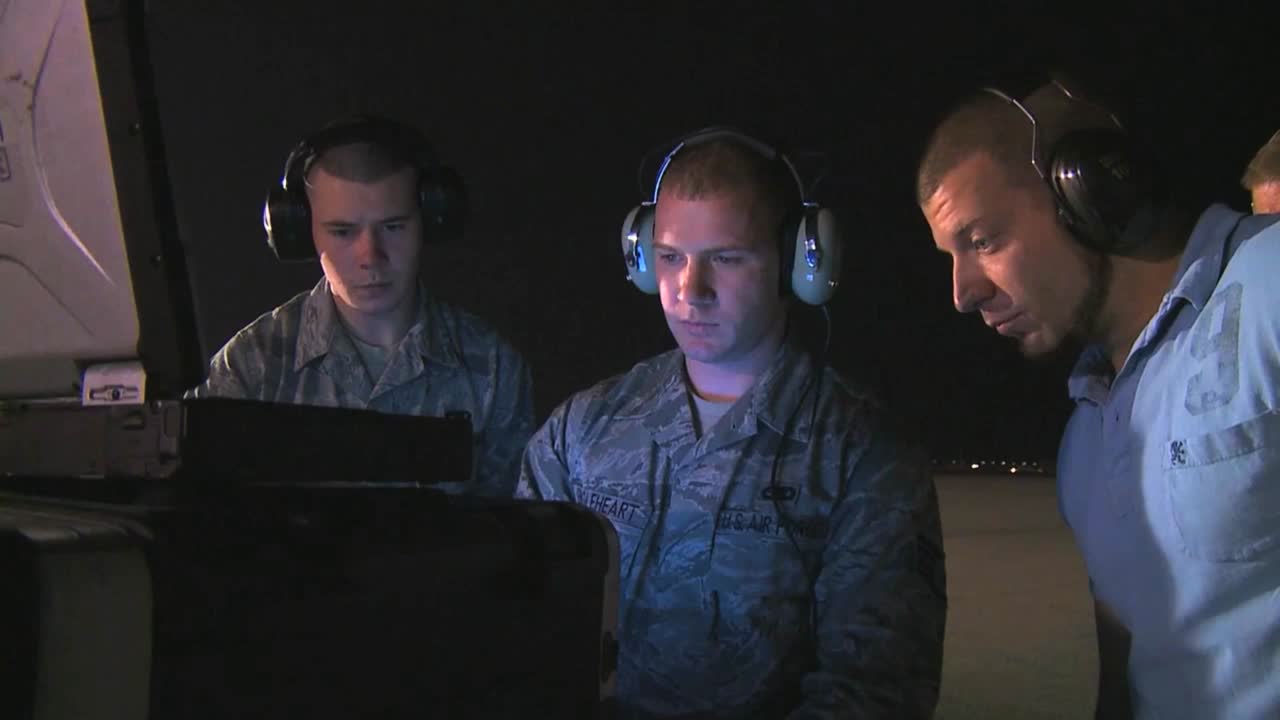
(1211, 447)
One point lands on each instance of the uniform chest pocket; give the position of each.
(762, 582)
(1224, 490)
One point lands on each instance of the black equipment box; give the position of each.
(307, 602)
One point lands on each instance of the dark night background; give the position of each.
(546, 108)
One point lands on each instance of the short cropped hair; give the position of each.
(726, 166)
(981, 124)
(1265, 165)
(363, 162)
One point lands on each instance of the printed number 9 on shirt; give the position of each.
(1215, 343)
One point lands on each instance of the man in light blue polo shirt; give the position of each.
(1060, 232)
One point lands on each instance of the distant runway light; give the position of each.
(1013, 469)
(975, 466)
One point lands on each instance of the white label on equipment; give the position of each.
(122, 383)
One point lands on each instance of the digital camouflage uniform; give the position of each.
(450, 360)
(715, 613)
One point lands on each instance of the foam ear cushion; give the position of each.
(637, 248)
(818, 257)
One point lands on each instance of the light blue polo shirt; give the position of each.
(1169, 476)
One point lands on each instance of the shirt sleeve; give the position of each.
(509, 425)
(230, 372)
(881, 595)
(544, 468)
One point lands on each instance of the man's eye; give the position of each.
(669, 258)
(728, 259)
(981, 244)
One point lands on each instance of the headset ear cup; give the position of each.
(818, 256)
(637, 248)
(445, 204)
(287, 221)
(1107, 191)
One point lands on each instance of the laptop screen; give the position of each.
(90, 269)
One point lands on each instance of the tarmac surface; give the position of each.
(1020, 635)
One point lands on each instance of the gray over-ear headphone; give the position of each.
(810, 245)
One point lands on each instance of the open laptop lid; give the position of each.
(95, 302)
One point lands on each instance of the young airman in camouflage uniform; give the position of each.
(368, 335)
(780, 548)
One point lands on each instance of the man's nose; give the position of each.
(369, 250)
(970, 286)
(695, 285)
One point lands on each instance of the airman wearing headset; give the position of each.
(1262, 177)
(780, 547)
(362, 196)
(1062, 231)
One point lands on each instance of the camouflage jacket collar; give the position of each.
(774, 400)
(321, 333)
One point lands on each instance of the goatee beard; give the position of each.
(1085, 321)
(1085, 327)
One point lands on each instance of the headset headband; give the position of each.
(404, 140)
(1035, 126)
(717, 132)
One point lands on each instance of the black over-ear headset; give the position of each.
(286, 215)
(1109, 190)
(810, 245)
